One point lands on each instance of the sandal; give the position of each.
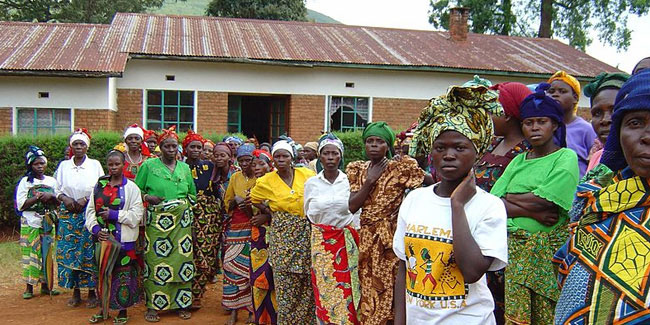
(151, 316)
(72, 302)
(50, 292)
(28, 295)
(97, 318)
(120, 320)
(184, 314)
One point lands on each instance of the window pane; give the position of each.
(171, 114)
(26, 118)
(168, 125)
(362, 107)
(233, 128)
(184, 127)
(187, 115)
(335, 102)
(154, 97)
(171, 97)
(44, 131)
(152, 125)
(44, 118)
(187, 98)
(153, 113)
(62, 119)
(348, 119)
(233, 116)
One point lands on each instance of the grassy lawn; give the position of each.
(9, 263)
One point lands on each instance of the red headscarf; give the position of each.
(168, 133)
(149, 134)
(223, 146)
(511, 95)
(191, 136)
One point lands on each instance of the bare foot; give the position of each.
(233, 318)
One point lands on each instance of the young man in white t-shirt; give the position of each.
(448, 235)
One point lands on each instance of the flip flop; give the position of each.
(97, 318)
(120, 320)
(151, 316)
(184, 314)
(50, 292)
(28, 295)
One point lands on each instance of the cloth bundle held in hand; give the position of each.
(106, 254)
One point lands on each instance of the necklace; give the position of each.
(131, 159)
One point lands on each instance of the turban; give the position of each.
(332, 139)
(134, 129)
(263, 155)
(312, 145)
(298, 146)
(605, 81)
(633, 96)
(81, 134)
(540, 105)
(511, 94)
(283, 145)
(167, 134)
(478, 81)
(382, 130)
(222, 146)
(465, 110)
(245, 150)
(236, 140)
(192, 136)
(569, 80)
(149, 134)
(208, 141)
(33, 153)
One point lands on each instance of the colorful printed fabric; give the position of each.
(30, 248)
(295, 298)
(603, 267)
(490, 167)
(236, 268)
(207, 229)
(130, 170)
(169, 257)
(74, 252)
(334, 274)
(126, 289)
(264, 298)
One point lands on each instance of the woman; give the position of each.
(263, 287)
(34, 198)
(115, 210)
(136, 151)
(537, 189)
(334, 239)
(289, 248)
(169, 260)
(224, 167)
(603, 266)
(207, 217)
(377, 188)
(580, 136)
(151, 140)
(643, 64)
(76, 179)
(265, 146)
(208, 148)
(237, 231)
(602, 91)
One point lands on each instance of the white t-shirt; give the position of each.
(32, 218)
(436, 292)
(75, 181)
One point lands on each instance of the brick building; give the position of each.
(262, 78)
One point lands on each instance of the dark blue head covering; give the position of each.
(633, 96)
(245, 150)
(539, 105)
(33, 152)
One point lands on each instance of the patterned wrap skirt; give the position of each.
(126, 287)
(75, 252)
(264, 299)
(206, 230)
(236, 268)
(334, 274)
(31, 253)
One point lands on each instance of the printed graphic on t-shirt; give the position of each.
(432, 276)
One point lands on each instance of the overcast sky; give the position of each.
(413, 14)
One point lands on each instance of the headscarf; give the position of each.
(233, 139)
(298, 146)
(511, 94)
(263, 155)
(266, 144)
(332, 139)
(33, 153)
(81, 134)
(134, 129)
(382, 130)
(245, 150)
(541, 105)
(208, 141)
(312, 145)
(605, 81)
(636, 66)
(634, 95)
(466, 110)
(478, 81)
(192, 136)
(569, 80)
(168, 133)
(223, 147)
(283, 145)
(149, 134)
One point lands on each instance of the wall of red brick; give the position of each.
(305, 117)
(398, 113)
(6, 120)
(212, 112)
(94, 119)
(129, 108)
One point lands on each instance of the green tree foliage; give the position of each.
(76, 11)
(259, 9)
(569, 19)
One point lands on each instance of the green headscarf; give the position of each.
(605, 81)
(382, 130)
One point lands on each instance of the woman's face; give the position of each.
(330, 157)
(260, 167)
(601, 112)
(169, 148)
(282, 159)
(79, 148)
(152, 143)
(194, 150)
(265, 148)
(115, 165)
(635, 141)
(38, 166)
(221, 158)
(376, 148)
(133, 142)
(564, 95)
(207, 151)
(499, 125)
(309, 154)
(245, 163)
(453, 155)
(538, 130)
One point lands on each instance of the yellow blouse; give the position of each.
(239, 185)
(279, 195)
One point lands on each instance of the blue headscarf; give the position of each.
(540, 105)
(33, 152)
(633, 96)
(236, 140)
(245, 150)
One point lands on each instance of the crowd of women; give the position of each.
(499, 205)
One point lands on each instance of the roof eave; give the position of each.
(60, 73)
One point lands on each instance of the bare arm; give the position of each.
(530, 205)
(358, 198)
(398, 294)
(530, 201)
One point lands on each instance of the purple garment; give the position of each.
(580, 136)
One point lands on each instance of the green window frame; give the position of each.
(170, 107)
(43, 121)
(348, 113)
(234, 114)
(278, 119)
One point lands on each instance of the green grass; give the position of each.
(10, 261)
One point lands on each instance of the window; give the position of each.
(348, 113)
(234, 114)
(170, 107)
(39, 121)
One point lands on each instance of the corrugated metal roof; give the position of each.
(193, 36)
(59, 47)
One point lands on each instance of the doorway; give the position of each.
(262, 117)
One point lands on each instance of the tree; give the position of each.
(570, 19)
(259, 9)
(77, 11)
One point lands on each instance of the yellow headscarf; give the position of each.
(569, 80)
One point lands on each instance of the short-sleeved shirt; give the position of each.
(553, 177)
(33, 218)
(436, 292)
(580, 137)
(154, 178)
(328, 203)
(279, 195)
(490, 167)
(75, 181)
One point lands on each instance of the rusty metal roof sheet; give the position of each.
(56, 47)
(193, 36)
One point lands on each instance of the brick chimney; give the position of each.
(458, 27)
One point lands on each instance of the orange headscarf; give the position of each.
(569, 80)
(168, 133)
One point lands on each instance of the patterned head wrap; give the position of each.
(478, 81)
(81, 134)
(511, 94)
(633, 96)
(263, 155)
(168, 133)
(245, 150)
(466, 110)
(222, 146)
(312, 145)
(332, 139)
(605, 81)
(208, 141)
(149, 134)
(569, 80)
(232, 139)
(33, 153)
(134, 129)
(382, 130)
(284, 145)
(540, 105)
(192, 136)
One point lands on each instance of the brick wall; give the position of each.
(212, 112)
(129, 108)
(398, 113)
(6, 120)
(305, 121)
(94, 119)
